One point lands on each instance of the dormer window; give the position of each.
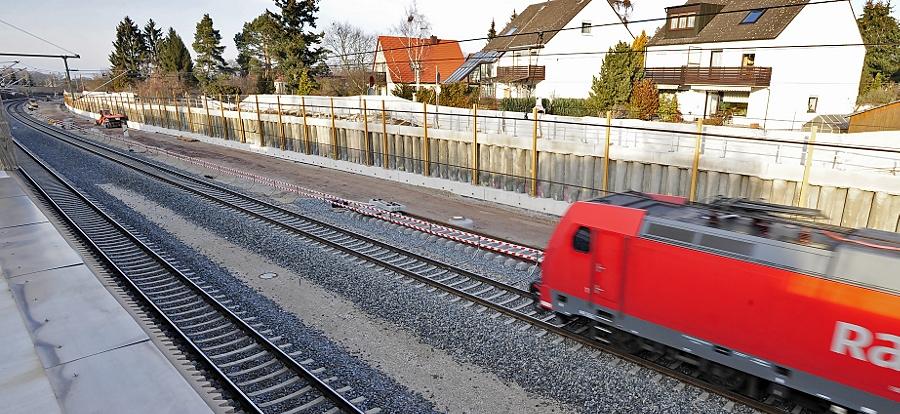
(682, 21)
(753, 16)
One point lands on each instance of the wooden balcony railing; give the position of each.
(726, 76)
(521, 74)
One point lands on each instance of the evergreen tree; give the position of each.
(174, 58)
(295, 52)
(492, 32)
(209, 63)
(877, 26)
(256, 45)
(152, 38)
(622, 66)
(513, 15)
(129, 50)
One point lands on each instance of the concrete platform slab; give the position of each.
(52, 295)
(67, 345)
(24, 388)
(33, 248)
(18, 211)
(9, 188)
(135, 379)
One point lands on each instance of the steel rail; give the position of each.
(538, 320)
(244, 327)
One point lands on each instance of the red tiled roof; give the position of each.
(441, 55)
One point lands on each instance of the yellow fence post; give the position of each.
(695, 167)
(426, 146)
(534, 154)
(365, 111)
(209, 130)
(305, 126)
(177, 111)
(237, 101)
(384, 137)
(804, 185)
(166, 107)
(224, 120)
(280, 122)
(259, 124)
(606, 153)
(334, 138)
(190, 114)
(475, 144)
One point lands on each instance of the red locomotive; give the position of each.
(756, 300)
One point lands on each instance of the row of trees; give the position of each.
(272, 46)
(881, 70)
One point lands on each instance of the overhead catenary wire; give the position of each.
(37, 37)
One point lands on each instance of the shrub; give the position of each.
(668, 108)
(569, 107)
(644, 100)
(521, 104)
(425, 95)
(403, 90)
(458, 95)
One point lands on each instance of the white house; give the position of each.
(759, 60)
(552, 49)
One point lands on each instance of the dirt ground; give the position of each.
(514, 224)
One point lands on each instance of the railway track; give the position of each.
(504, 299)
(259, 370)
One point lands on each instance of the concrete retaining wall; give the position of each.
(567, 170)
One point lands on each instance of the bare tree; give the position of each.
(415, 31)
(351, 52)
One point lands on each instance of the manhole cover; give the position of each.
(268, 275)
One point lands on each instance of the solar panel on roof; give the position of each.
(470, 64)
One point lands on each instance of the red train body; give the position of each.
(801, 307)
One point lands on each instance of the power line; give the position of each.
(37, 37)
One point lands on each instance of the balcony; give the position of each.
(693, 75)
(521, 74)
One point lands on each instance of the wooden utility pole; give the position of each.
(804, 185)
(259, 124)
(365, 112)
(695, 166)
(224, 121)
(280, 122)
(606, 152)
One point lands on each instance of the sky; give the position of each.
(87, 27)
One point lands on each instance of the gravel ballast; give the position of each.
(583, 378)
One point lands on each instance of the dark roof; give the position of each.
(834, 124)
(725, 26)
(547, 17)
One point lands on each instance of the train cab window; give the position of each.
(581, 242)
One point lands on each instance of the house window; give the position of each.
(748, 60)
(586, 27)
(753, 16)
(694, 54)
(812, 104)
(681, 22)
